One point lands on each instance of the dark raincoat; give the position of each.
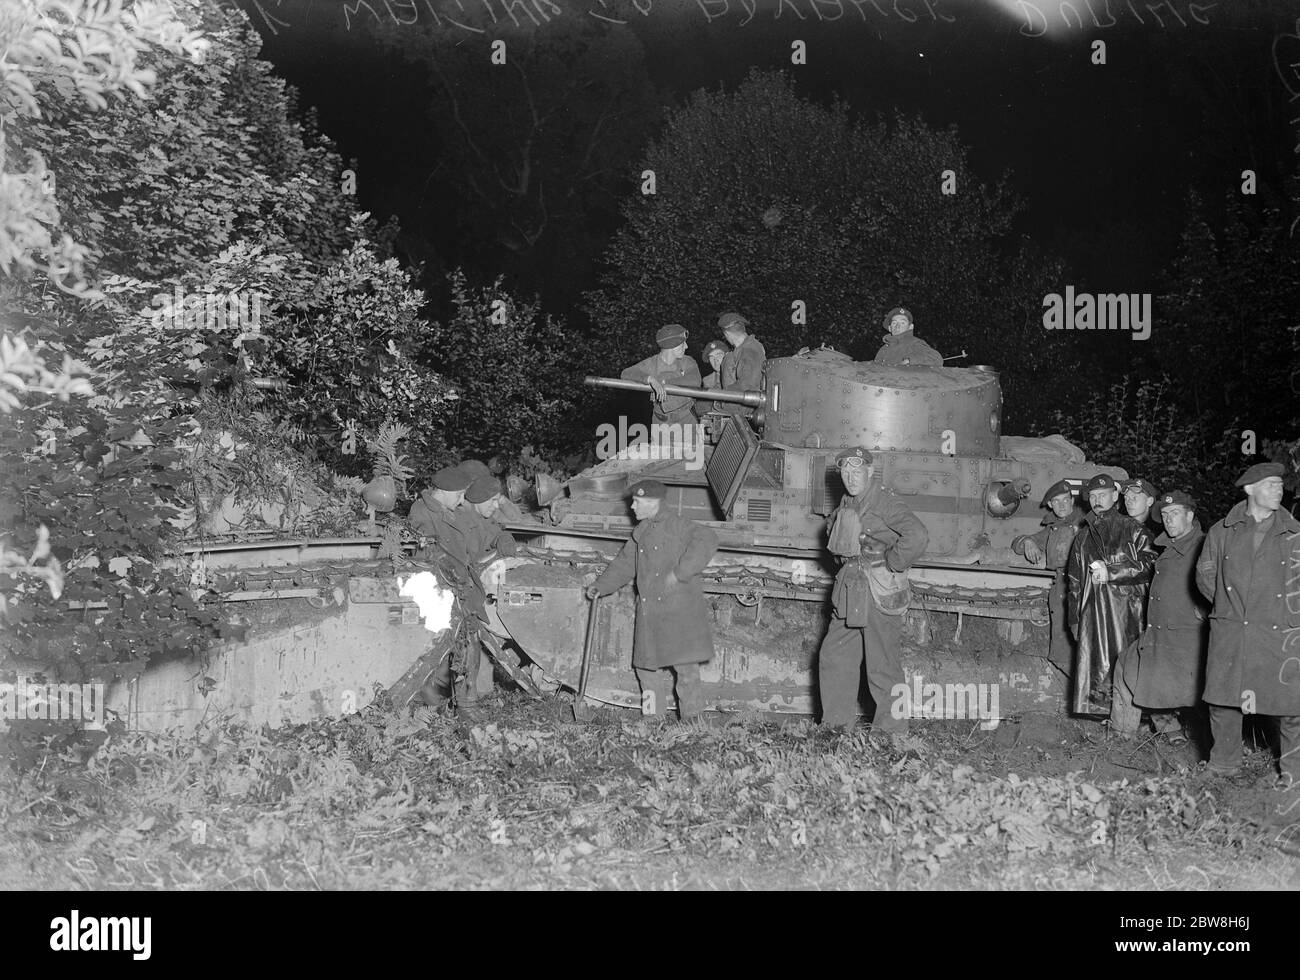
(1255, 622)
(1169, 669)
(665, 556)
(907, 346)
(1106, 618)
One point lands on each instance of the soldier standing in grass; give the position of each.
(877, 539)
(1250, 568)
(1109, 568)
(672, 637)
(1166, 672)
(1051, 547)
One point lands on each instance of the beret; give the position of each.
(451, 478)
(1176, 498)
(732, 321)
(1102, 481)
(671, 335)
(648, 488)
(1143, 485)
(475, 468)
(1260, 471)
(894, 312)
(856, 452)
(1055, 490)
(713, 345)
(483, 488)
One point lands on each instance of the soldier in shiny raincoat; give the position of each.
(672, 636)
(902, 347)
(1109, 569)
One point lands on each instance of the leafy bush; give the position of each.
(513, 370)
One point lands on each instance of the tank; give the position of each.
(766, 482)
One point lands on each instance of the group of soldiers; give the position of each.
(461, 521)
(737, 364)
(1194, 630)
(1150, 615)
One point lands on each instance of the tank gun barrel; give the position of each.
(754, 399)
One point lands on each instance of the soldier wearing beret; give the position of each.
(670, 366)
(876, 539)
(437, 514)
(1108, 571)
(485, 534)
(902, 347)
(1250, 569)
(672, 636)
(1139, 500)
(742, 367)
(453, 541)
(1166, 672)
(715, 351)
(1051, 548)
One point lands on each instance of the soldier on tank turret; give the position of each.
(742, 368)
(902, 348)
(714, 353)
(669, 366)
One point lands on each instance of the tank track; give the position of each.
(749, 583)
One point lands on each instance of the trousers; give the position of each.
(465, 685)
(1225, 730)
(656, 685)
(1061, 650)
(839, 669)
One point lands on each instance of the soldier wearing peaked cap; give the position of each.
(1140, 504)
(672, 636)
(1051, 547)
(1249, 568)
(1165, 673)
(715, 351)
(673, 367)
(1108, 570)
(876, 539)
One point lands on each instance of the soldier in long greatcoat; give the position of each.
(1250, 567)
(1167, 673)
(672, 636)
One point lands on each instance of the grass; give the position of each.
(533, 800)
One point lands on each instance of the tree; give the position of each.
(534, 151)
(512, 369)
(764, 200)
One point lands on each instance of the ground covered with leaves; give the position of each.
(532, 799)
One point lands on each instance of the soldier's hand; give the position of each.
(656, 388)
(591, 592)
(1033, 553)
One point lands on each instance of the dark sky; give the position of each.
(1103, 154)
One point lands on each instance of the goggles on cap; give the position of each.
(852, 462)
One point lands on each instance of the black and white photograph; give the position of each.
(647, 446)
